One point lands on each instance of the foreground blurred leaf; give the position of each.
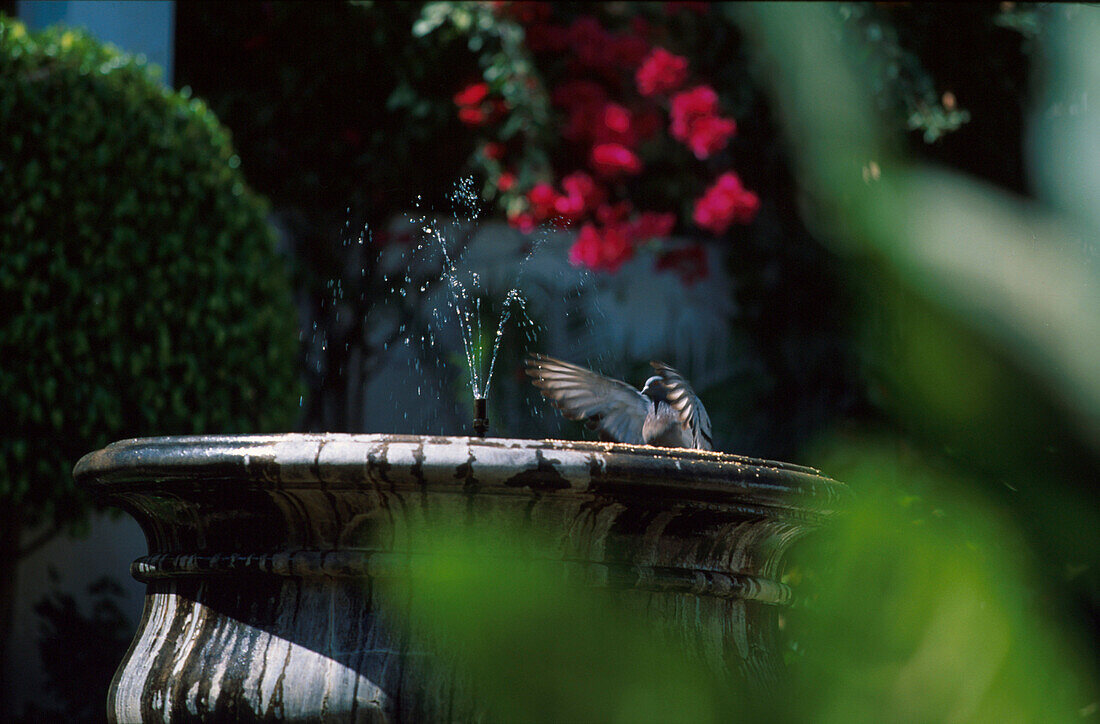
(928, 606)
(533, 646)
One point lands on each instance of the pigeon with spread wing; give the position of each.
(665, 412)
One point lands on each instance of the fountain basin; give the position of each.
(265, 553)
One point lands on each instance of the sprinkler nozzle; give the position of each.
(481, 417)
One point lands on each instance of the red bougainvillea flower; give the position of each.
(613, 159)
(471, 104)
(585, 251)
(542, 197)
(616, 125)
(506, 181)
(569, 208)
(690, 105)
(608, 214)
(473, 116)
(522, 221)
(710, 134)
(472, 94)
(601, 249)
(689, 262)
(661, 72)
(493, 150)
(695, 121)
(582, 194)
(583, 186)
(651, 225)
(725, 203)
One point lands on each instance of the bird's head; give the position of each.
(656, 389)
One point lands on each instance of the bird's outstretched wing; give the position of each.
(693, 416)
(613, 407)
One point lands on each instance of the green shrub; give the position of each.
(139, 282)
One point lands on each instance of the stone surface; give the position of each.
(265, 555)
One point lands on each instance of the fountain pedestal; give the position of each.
(268, 555)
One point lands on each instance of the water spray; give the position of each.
(481, 417)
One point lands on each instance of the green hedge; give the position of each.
(140, 286)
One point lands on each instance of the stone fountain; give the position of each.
(267, 555)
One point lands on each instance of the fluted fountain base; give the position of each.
(277, 565)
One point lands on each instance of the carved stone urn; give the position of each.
(264, 552)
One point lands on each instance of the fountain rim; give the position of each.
(341, 461)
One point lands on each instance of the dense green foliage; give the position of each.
(141, 289)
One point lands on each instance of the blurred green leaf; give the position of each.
(531, 645)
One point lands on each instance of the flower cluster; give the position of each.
(475, 107)
(661, 72)
(604, 247)
(615, 98)
(695, 121)
(725, 203)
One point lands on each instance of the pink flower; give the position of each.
(581, 195)
(651, 225)
(710, 134)
(506, 181)
(493, 150)
(690, 263)
(601, 250)
(608, 214)
(690, 105)
(661, 72)
(542, 198)
(472, 94)
(522, 221)
(695, 121)
(613, 159)
(725, 203)
(616, 125)
(585, 251)
(569, 208)
(582, 185)
(470, 101)
(472, 116)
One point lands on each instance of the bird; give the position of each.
(665, 412)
